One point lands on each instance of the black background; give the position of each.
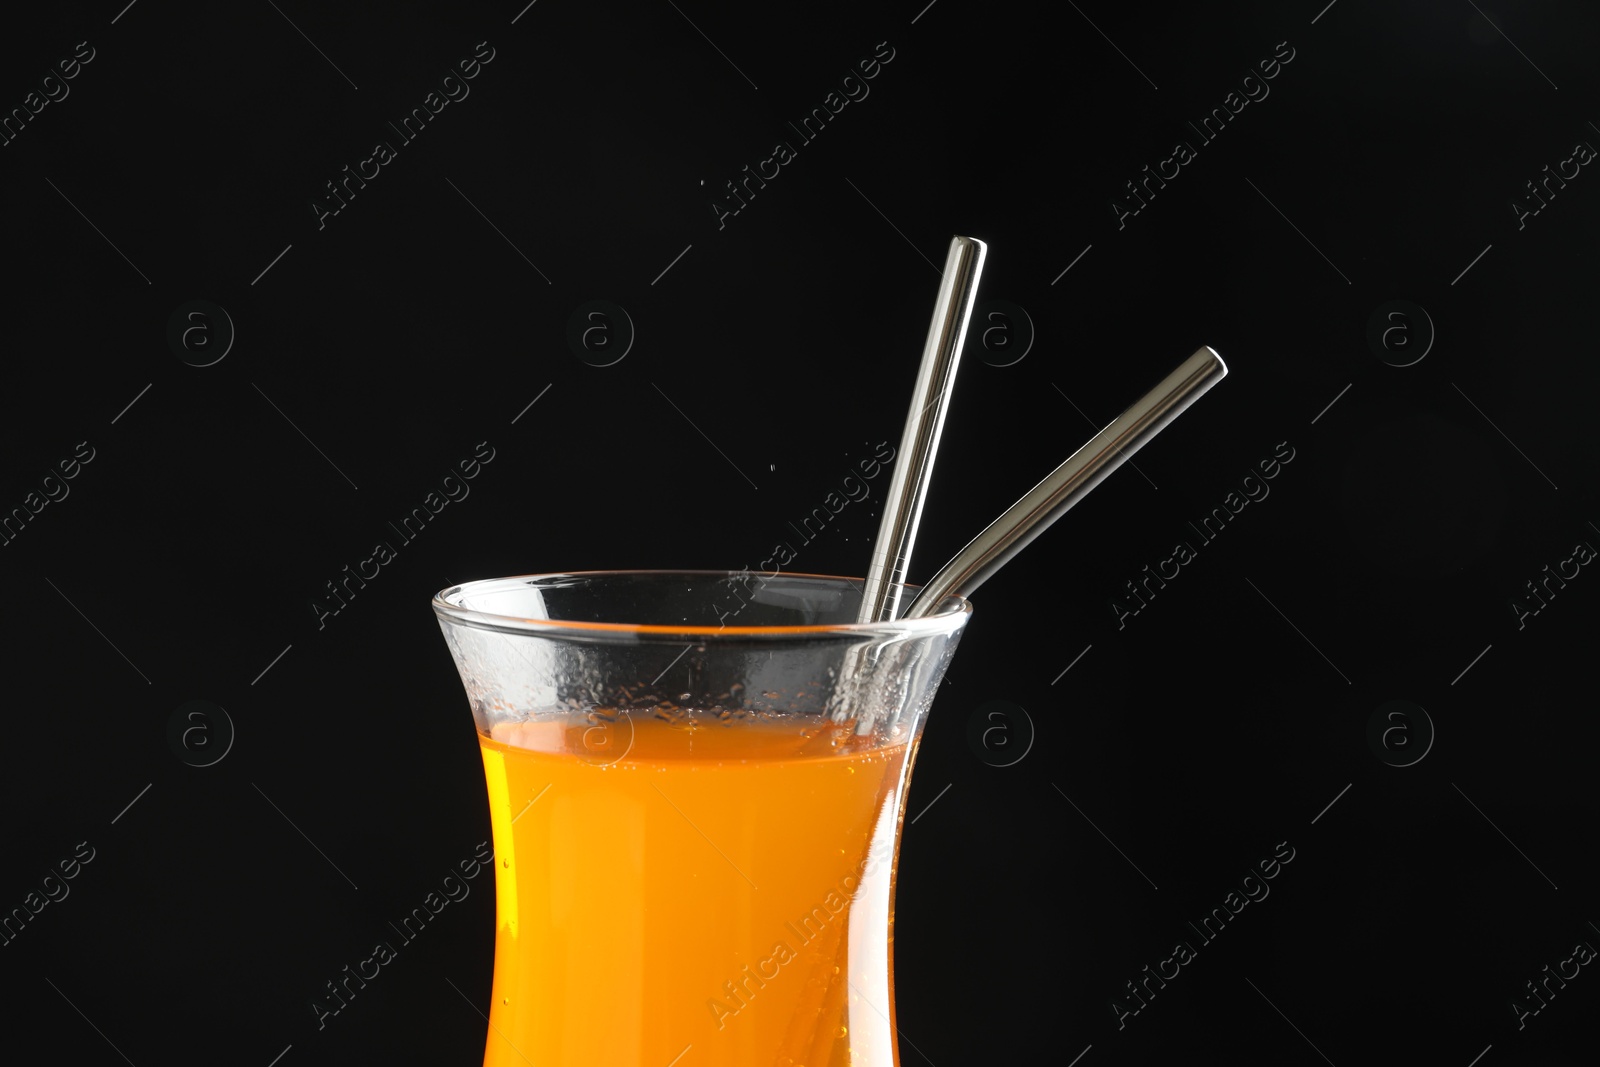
(1180, 748)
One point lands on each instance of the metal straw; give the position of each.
(941, 354)
(1071, 482)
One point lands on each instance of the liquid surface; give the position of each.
(720, 892)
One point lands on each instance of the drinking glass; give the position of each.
(696, 785)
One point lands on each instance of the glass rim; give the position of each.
(951, 610)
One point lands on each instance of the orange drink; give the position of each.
(711, 887)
